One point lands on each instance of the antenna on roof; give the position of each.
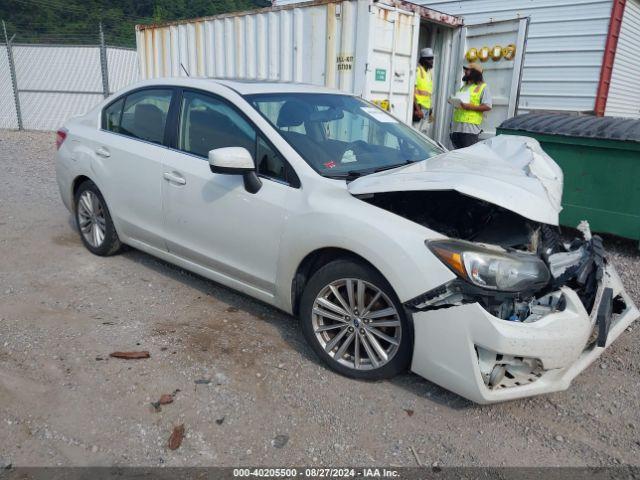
(185, 70)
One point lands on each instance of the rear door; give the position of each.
(502, 67)
(129, 150)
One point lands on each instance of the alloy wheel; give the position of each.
(91, 218)
(356, 323)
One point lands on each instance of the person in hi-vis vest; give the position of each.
(475, 99)
(424, 88)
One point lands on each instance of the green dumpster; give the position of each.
(600, 158)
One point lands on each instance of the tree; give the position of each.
(76, 21)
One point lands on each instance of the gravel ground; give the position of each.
(63, 401)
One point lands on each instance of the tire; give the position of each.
(319, 329)
(95, 213)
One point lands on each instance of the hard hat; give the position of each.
(426, 53)
(473, 66)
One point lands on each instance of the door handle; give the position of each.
(175, 178)
(103, 152)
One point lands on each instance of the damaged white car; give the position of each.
(393, 253)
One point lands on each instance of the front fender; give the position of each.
(393, 245)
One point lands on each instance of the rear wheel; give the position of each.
(354, 322)
(93, 219)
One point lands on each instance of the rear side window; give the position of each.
(112, 115)
(145, 114)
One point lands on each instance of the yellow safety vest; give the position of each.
(424, 87)
(461, 115)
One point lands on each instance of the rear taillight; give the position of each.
(61, 135)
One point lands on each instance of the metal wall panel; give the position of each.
(122, 65)
(564, 49)
(623, 99)
(8, 115)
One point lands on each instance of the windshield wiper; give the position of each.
(389, 167)
(350, 175)
(353, 174)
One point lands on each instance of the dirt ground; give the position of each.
(269, 401)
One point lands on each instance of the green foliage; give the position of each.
(77, 21)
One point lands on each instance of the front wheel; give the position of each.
(353, 320)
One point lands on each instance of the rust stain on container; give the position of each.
(424, 12)
(428, 13)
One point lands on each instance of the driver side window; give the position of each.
(207, 123)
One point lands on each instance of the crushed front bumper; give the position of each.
(447, 342)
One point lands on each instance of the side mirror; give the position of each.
(235, 161)
(231, 160)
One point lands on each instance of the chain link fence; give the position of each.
(42, 85)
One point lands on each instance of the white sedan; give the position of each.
(393, 252)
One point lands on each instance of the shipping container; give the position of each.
(365, 47)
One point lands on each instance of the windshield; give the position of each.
(342, 135)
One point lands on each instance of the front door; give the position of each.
(210, 219)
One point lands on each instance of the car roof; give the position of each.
(241, 86)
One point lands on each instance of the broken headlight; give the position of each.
(491, 269)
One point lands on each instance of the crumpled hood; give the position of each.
(509, 171)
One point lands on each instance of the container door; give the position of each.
(499, 47)
(392, 59)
